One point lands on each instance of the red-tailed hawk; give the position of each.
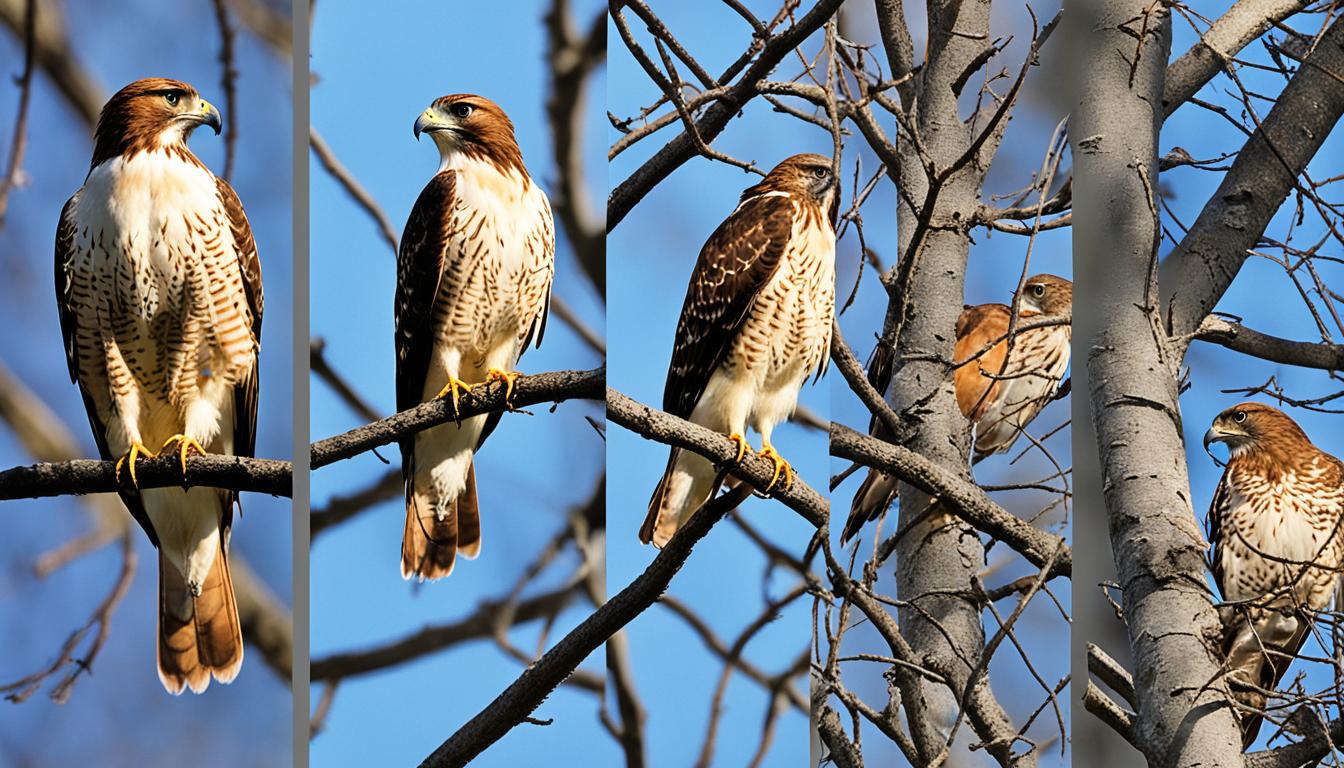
(159, 289)
(755, 324)
(1000, 389)
(473, 289)
(1277, 528)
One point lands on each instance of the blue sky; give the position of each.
(120, 715)
(650, 257)
(533, 470)
(993, 268)
(1263, 295)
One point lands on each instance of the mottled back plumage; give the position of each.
(159, 288)
(755, 323)
(474, 275)
(1001, 383)
(1276, 524)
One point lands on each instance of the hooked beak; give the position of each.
(1210, 437)
(427, 122)
(208, 115)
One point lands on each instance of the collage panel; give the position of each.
(722, 276)
(433, 247)
(166, 215)
(853, 444)
(946, 605)
(1215, 452)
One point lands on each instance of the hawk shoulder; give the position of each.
(735, 264)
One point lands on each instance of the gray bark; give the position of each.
(1131, 380)
(1265, 171)
(937, 563)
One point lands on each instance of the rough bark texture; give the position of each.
(934, 571)
(1265, 171)
(1133, 393)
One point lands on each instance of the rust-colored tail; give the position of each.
(430, 544)
(198, 636)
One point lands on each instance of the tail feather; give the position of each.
(1259, 656)
(199, 636)
(686, 484)
(870, 501)
(430, 543)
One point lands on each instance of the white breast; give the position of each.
(129, 213)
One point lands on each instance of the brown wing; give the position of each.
(65, 243)
(734, 265)
(420, 262)
(245, 391)
(976, 327)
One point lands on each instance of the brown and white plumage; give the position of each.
(474, 278)
(159, 289)
(755, 324)
(1277, 528)
(1000, 387)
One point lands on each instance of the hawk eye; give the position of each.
(821, 172)
(1038, 290)
(461, 111)
(1239, 416)
(171, 97)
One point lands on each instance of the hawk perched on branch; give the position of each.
(1001, 383)
(473, 289)
(159, 289)
(1277, 528)
(755, 324)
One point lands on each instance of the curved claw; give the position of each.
(455, 387)
(741, 441)
(508, 377)
(782, 467)
(185, 446)
(137, 450)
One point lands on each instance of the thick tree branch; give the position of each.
(554, 387)
(962, 496)
(666, 428)
(1211, 254)
(1239, 338)
(1245, 21)
(629, 192)
(80, 476)
(525, 694)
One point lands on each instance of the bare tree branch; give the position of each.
(554, 387)
(1211, 254)
(80, 476)
(525, 694)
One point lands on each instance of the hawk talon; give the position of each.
(455, 387)
(741, 441)
(137, 449)
(781, 467)
(508, 377)
(186, 445)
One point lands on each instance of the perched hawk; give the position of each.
(1277, 528)
(1000, 389)
(755, 324)
(473, 290)
(159, 289)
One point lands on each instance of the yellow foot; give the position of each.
(137, 450)
(185, 446)
(455, 387)
(781, 468)
(508, 377)
(741, 446)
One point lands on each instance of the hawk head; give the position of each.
(150, 114)
(807, 176)
(1255, 427)
(471, 126)
(1047, 294)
